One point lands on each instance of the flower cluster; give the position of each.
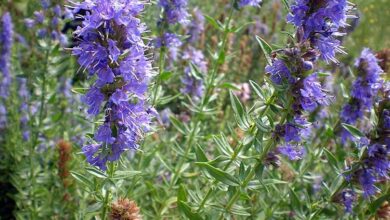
(320, 22)
(196, 61)
(24, 108)
(112, 48)
(6, 41)
(364, 90)
(196, 27)
(292, 68)
(172, 42)
(293, 133)
(192, 79)
(374, 167)
(50, 27)
(175, 11)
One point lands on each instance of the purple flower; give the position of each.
(104, 134)
(30, 23)
(39, 17)
(312, 94)
(94, 98)
(320, 23)
(352, 112)
(196, 27)
(24, 96)
(279, 72)
(193, 84)
(6, 41)
(367, 180)
(168, 40)
(295, 131)
(364, 89)
(123, 72)
(175, 11)
(386, 119)
(243, 3)
(45, 4)
(348, 197)
(3, 116)
(293, 152)
(378, 160)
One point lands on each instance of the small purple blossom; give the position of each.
(279, 72)
(293, 152)
(386, 118)
(367, 180)
(168, 40)
(254, 3)
(196, 27)
(175, 11)
(294, 131)
(348, 197)
(193, 83)
(312, 94)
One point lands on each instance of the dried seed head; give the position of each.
(64, 150)
(384, 211)
(124, 209)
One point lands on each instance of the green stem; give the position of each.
(217, 64)
(271, 144)
(209, 89)
(161, 64)
(37, 129)
(235, 154)
(187, 151)
(107, 201)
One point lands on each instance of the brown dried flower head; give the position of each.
(124, 209)
(384, 211)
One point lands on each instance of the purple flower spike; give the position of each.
(123, 72)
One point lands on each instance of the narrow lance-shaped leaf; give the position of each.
(219, 174)
(266, 48)
(353, 130)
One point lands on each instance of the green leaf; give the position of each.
(178, 125)
(200, 154)
(216, 24)
(286, 4)
(195, 71)
(186, 209)
(219, 174)
(353, 130)
(375, 205)
(257, 89)
(294, 199)
(240, 113)
(79, 90)
(262, 127)
(331, 159)
(82, 179)
(97, 173)
(266, 48)
(223, 144)
(166, 75)
(182, 194)
(228, 85)
(120, 174)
